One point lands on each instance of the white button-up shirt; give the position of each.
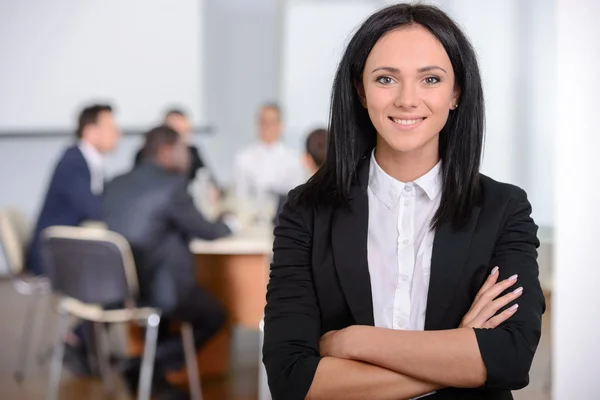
(267, 168)
(399, 245)
(95, 162)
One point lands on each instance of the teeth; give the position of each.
(407, 121)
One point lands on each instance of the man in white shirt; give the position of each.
(268, 166)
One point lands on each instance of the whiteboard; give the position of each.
(139, 55)
(314, 38)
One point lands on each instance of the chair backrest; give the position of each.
(15, 233)
(92, 265)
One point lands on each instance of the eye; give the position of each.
(431, 80)
(385, 80)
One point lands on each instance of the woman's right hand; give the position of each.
(482, 313)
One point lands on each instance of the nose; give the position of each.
(407, 96)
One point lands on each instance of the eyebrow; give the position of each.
(420, 70)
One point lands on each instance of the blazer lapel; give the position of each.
(349, 244)
(450, 251)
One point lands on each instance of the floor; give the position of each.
(240, 385)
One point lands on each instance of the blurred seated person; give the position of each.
(150, 206)
(267, 166)
(75, 191)
(177, 120)
(74, 197)
(314, 157)
(316, 150)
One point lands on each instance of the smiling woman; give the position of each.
(392, 265)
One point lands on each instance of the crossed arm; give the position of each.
(418, 362)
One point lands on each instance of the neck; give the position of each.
(269, 143)
(89, 144)
(405, 167)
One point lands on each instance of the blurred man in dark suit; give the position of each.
(178, 120)
(150, 206)
(75, 196)
(75, 190)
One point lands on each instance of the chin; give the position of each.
(405, 145)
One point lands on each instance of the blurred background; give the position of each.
(224, 65)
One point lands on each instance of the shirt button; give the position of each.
(404, 278)
(407, 203)
(405, 241)
(408, 188)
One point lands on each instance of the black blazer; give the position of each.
(152, 209)
(320, 282)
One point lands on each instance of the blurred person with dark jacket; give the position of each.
(151, 208)
(74, 196)
(75, 191)
(178, 120)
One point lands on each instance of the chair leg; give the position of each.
(103, 357)
(57, 357)
(145, 384)
(26, 338)
(191, 361)
(44, 348)
(89, 340)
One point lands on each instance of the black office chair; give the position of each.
(91, 268)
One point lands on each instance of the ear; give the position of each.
(360, 90)
(455, 98)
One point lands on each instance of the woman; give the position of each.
(399, 270)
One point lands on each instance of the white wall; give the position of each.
(140, 55)
(315, 35)
(492, 28)
(576, 298)
(536, 101)
(242, 67)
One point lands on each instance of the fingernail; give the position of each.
(518, 290)
(513, 278)
(494, 271)
(513, 308)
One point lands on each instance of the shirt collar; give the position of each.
(275, 146)
(92, 156)
(388, 189)
(431, 182)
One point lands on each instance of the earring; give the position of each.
(455, 106)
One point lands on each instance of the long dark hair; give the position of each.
(352, 136)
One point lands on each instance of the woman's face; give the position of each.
(408, 90)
